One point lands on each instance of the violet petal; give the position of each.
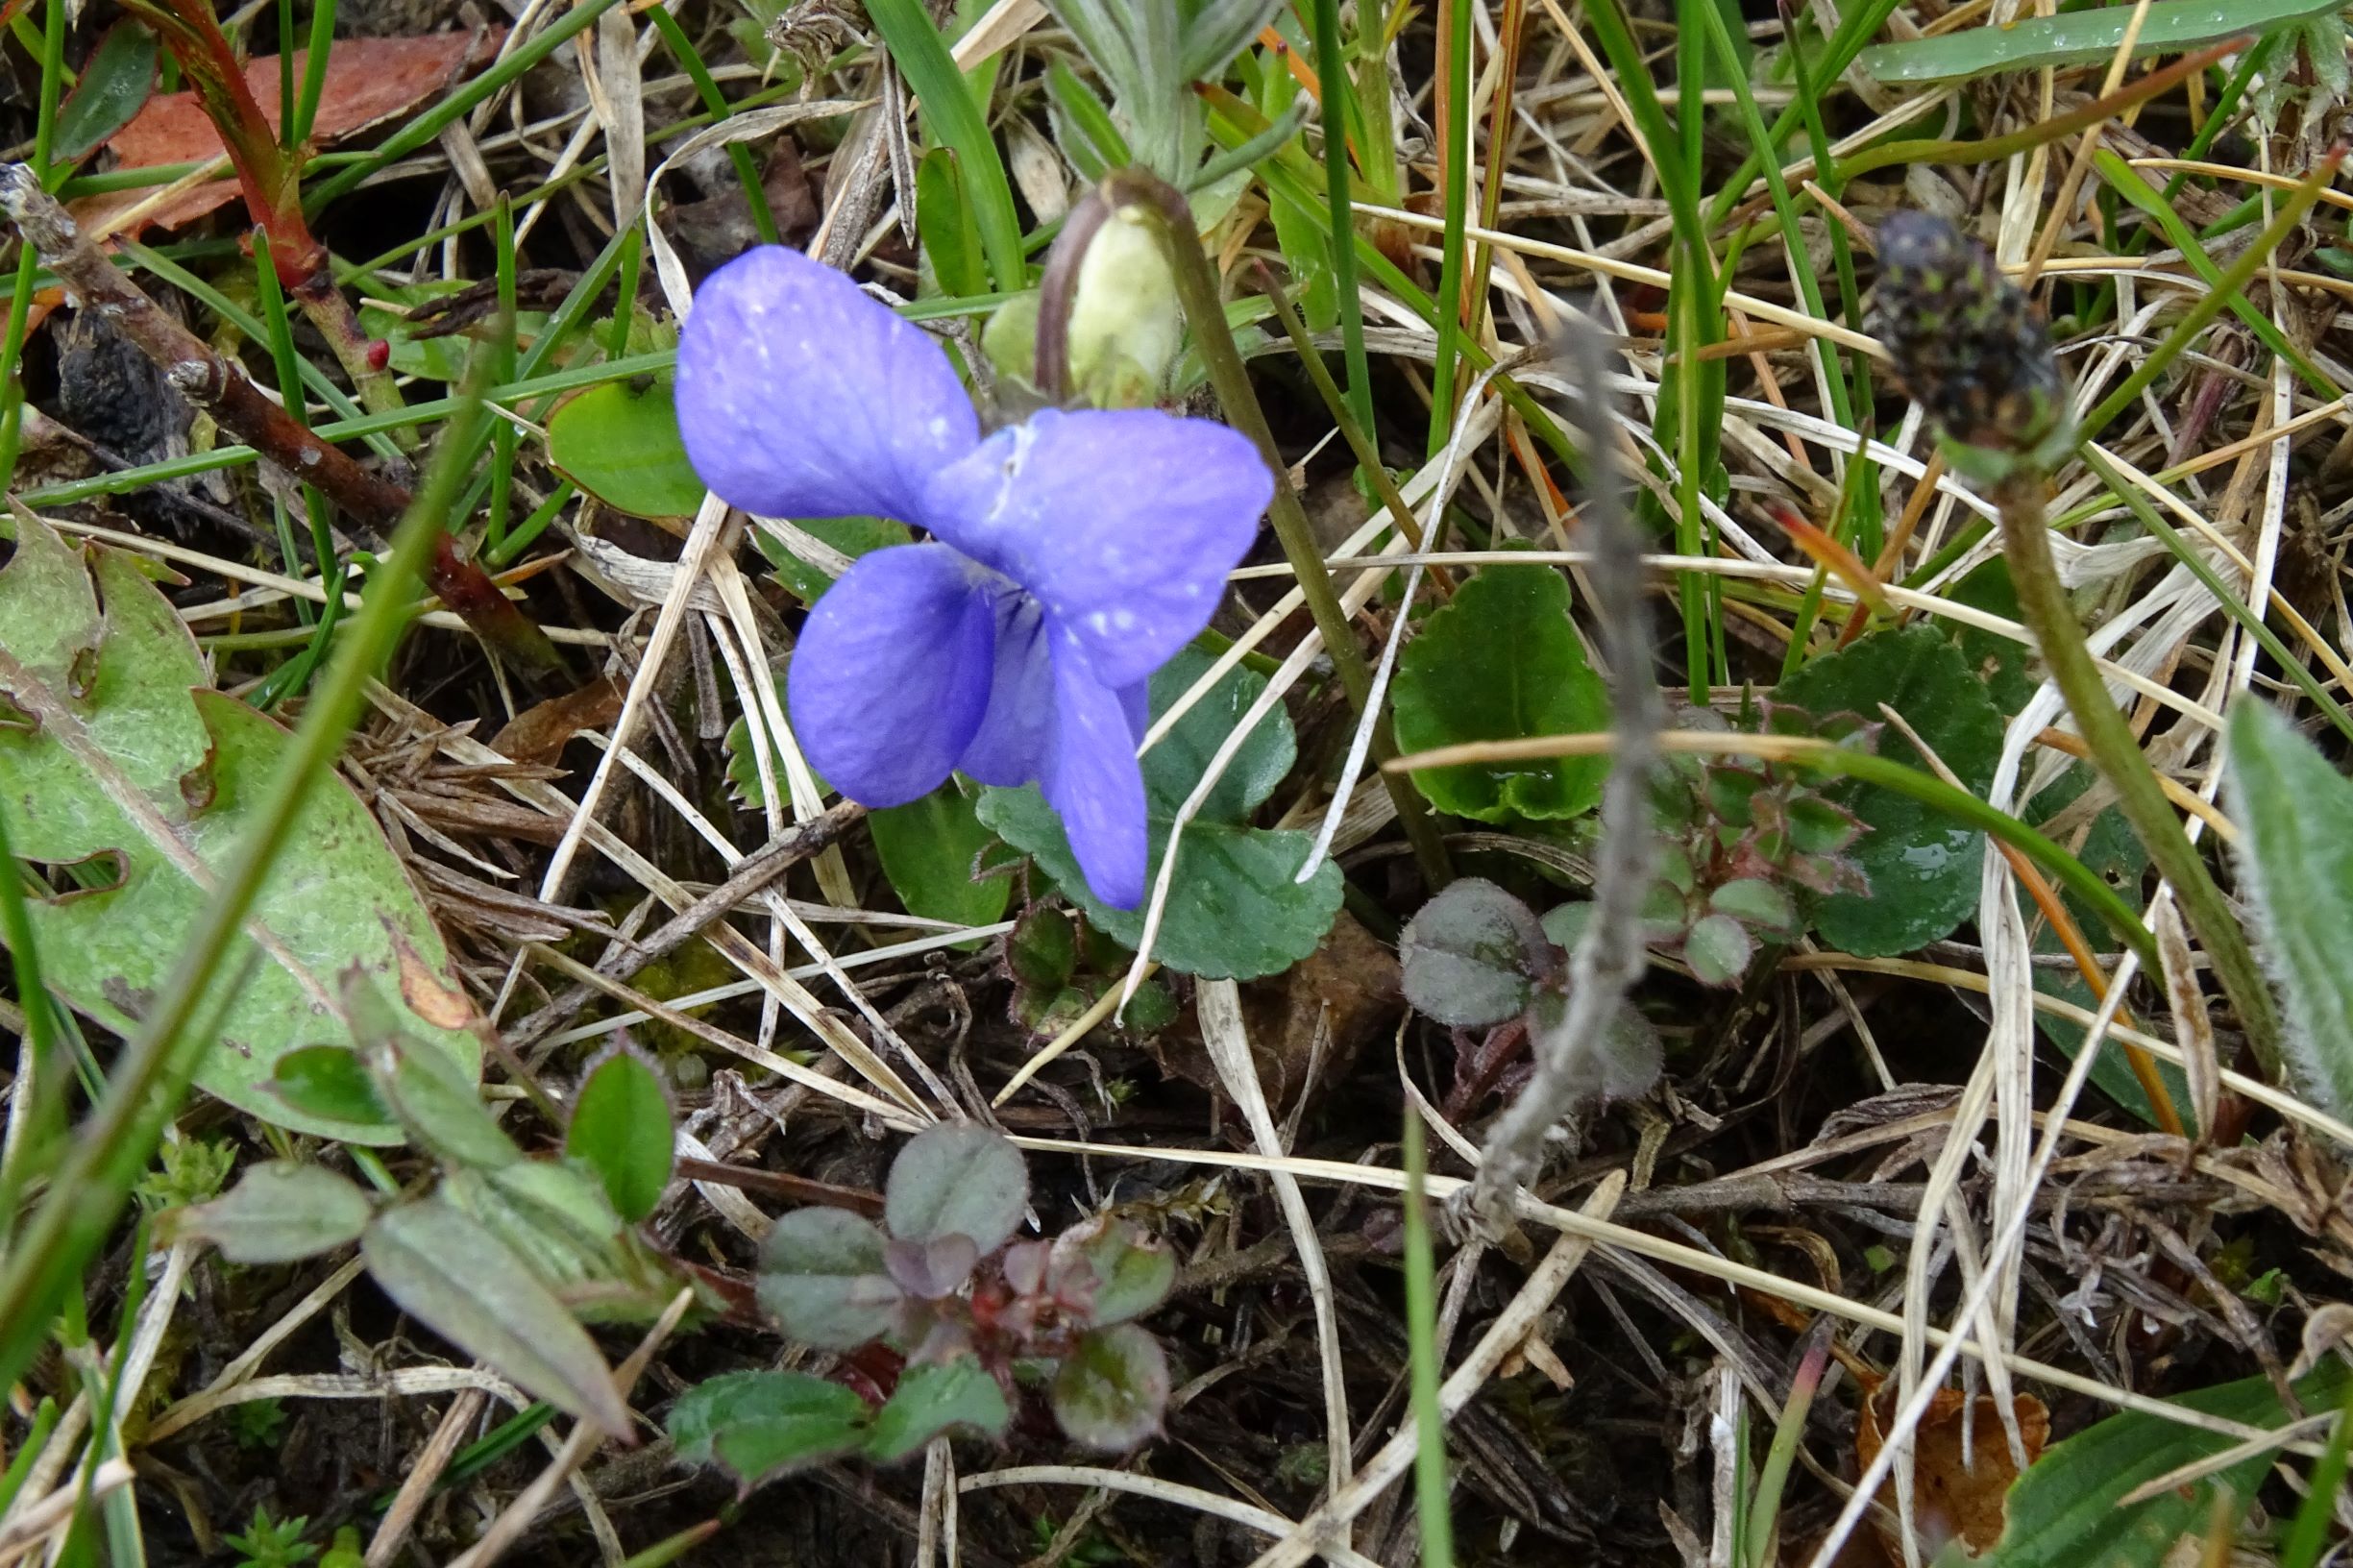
(1124, 523)
(800, 397)
(1015, 737)
(891, 676)
(1094, 779)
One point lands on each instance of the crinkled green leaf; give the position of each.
(1236, 909)
(281, 1212)
(1501, 662)
(621, 1129)
(140, 775)
(622, 446)
(1472, 955)
(761, 1425)
(928, 847)
(2063, 1512)
(1922, 869)
(448, 1270)
(821, 1275)
(953, 1180)
(930, 1400)
(1112, 1390)
(2295, 860)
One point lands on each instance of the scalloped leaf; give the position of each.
(134, 784)
(1922, 867)
(1501, 662)
(930, 1400)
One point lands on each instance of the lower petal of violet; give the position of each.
(1093, 777)
(890, 680)
(1013, 740)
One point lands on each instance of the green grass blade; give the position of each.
(1433, 1516)
(931, 74)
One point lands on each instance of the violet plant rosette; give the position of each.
(1071, 556)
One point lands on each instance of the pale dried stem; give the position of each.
(1609, 956)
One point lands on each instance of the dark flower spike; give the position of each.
(1970, 349)
(1074, 552)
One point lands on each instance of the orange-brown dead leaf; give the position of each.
(1952, 1500)
(369, 81)
(540, 732)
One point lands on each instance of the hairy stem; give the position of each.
(1609, 956)
(1205, 313)
(2059, 637)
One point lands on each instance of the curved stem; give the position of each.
(2043, 605)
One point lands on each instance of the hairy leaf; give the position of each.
(448, 1270)
(621, 1129)
(761, 1425)
(2296, 859)
(1112, 1388)
(281, 1212)
(1472, 955)
(823, 1275)
(957, 1181)
(930, 1400)
(134, 784)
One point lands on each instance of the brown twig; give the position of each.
(216, 384)
(1610, 955)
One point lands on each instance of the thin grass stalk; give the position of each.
(1332, 72)
(1433, 1514)
(150, 1076)
(1453, 90)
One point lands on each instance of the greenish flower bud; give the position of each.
(1125, 323)
(1970, 349)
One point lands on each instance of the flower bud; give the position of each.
(1125, 323)
(1968, 345)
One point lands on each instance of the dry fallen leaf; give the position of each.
(1952, 1500)
(539, 733)
(369, 81)
(1349, 986)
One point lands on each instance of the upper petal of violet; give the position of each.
(1124, 524)
(800, 397)
(890, 678)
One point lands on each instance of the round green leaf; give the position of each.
(1718, 949)
(1501, 662)
(822, 1276)
(621, 1129)
(957, 1181)
(1472, 955)
(1922, 869)
(1624, 1062)
(622, 446)
(928, 847)
(327, 1081)
(761, 1425)
(1112, 1390)
(1125, 1272)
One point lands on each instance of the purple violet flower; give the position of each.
(1073, 554)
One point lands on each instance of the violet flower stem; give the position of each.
(1058, 294)
(2058, 635)
(1205, 313)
